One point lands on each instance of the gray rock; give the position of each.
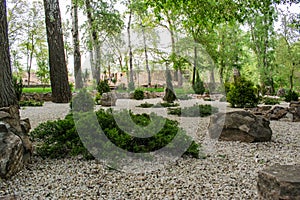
(240, 126)
(15, 146)
(279, 182)
(108, 99)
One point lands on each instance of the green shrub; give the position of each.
(131, 86)
(242, 94)
(82, 102)
(291, 96)
(194, 111)
(103, 87)
(270, 101)
(32, 103)
(59, 138)
(98, 99)
(183, 97)
(170, 96)
(199, 85)
(165, 105)
(138, 94)
(18, 86)
(145, 105)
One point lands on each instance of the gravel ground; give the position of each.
(229, 170)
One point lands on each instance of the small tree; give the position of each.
(198, 86)
(170, 96)
(43, 73)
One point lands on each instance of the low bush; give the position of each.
(82, 102)
(146, 105)
(138, 94)
(58, 139)
(31, 103)
(242, 94)
(183, 97)
(165, 105)
(291, 96)
(193, 111)
(270, 101)
(98, 99)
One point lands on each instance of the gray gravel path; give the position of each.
(228, 172)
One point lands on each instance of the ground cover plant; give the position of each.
(270, 101)
(58, 139)
(145, 105)
(31, 103)
(193, 111)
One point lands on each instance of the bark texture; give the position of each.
(7, 93)
(77, 55)
(58, 70)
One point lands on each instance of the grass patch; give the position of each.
(37, 90)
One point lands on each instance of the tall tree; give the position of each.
(129, 43)
(58, 70)
(77, 55)
(7, 93)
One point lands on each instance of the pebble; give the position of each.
(229, 170)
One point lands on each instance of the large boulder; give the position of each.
(279, 182)
(15, 146)
(108, 99)
(240, 126)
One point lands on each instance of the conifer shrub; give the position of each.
(103, 87)
(58, 139)
(138, 94)
(242, 94)
(199, 85)
(291, 96)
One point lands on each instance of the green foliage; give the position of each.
(59, 138)
(166, 105)
(270, 101)
(291, 96)
(242, 94)
(32, 103)
(71, 85)
(170, 96)
(138, 94)
(198, 86)
(18, 86)
(98, 99)
(183, 97)
(131, 86)
(103, 87)
(146, 105)
(36, 90)
(82, 102)
(194, 111)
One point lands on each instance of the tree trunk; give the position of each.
(146, 56)
(129, 46)
(195, 64)
(7, 92)
(77, 55)
(95, 43)
(58, 70)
